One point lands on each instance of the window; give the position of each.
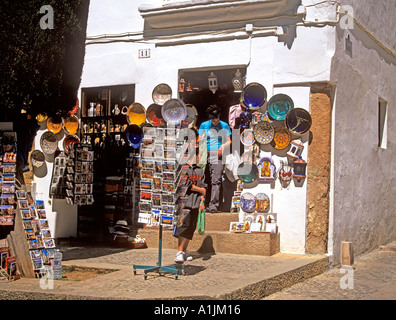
(382, 123)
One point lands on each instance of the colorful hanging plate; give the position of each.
(262, 202)
(136, 114)
(69, 139)
(247, 172)
(248, 202)
(162, 93)
(37, 158)
(174, 111)
(298, 121)
(192, 115)
(279, 105)
(154, 115)
(48, 142)
(71, 124)
(247, 137)
(134, 135)
(263, 132)
(54, 124)
(281, 138)
(253, 96)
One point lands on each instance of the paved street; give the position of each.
(373, 277)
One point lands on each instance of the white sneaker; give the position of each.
(179, 257)
(187, 256)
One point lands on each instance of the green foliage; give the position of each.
(41, 68)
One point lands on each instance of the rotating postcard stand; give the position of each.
(174, 268)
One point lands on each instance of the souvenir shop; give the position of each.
(122, 164)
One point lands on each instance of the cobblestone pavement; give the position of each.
(214, 276)
(208, 276)
(373, 277)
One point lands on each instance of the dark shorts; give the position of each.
(186, 224)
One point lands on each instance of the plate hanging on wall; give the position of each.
(192, 115)
(154, 115)
(247, 137)
(136, 114)
(262, 202)
(174, 111)
(71, 138)
(279, 105)
(48, 142)
(247, 172)
(55, 124)
(298, 121)
(281, 138)
(248, 202)
(263, 132)
(253, 96)
(37, 158)
(162, 93)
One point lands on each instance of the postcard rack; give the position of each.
(162, 187)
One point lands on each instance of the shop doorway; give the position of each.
(194, 88)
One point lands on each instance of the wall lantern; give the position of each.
(212, 82)
(296, 149)
(238, 82)
(299, 167)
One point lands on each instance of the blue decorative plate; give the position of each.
(279, 105)
(174, 111)
(253, 96)
(298, 121)
(248, 202)
(263, 132)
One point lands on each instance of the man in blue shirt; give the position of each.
(216, 134)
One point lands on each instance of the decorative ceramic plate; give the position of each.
(247, 172)
(192, 115)
(48, 142)
(54, 124)
(71, 124)
(263, 132)
(154, 115)
(68, 140)
(136, 114)
(134, 135)
(247, 137)
(253, 96)
(298, 121)
(281, 138)
(174, 111)
(37, 158)
(248, 202)
(262, 202)
(162, 93)
(279, 105)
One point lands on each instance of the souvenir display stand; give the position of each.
(162, 186)
(7, 178)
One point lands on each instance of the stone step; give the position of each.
(220, 221)
(263, 243)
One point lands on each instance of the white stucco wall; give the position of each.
(282, 65)
(364, 174)
(62, 218)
